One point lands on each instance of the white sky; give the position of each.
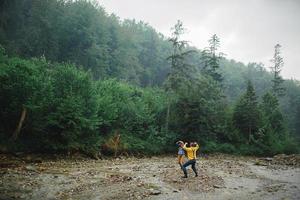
(248, 29)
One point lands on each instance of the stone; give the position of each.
(217, 186)
(154, 192)
(31, 168)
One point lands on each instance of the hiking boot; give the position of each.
(184, 177)
(196, 175)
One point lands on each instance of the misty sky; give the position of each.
(248, 29)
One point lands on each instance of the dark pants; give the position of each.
(185, 165)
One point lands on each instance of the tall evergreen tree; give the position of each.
(181, 75)
(278, 63)
(271, 113)
(246, 116)
(297, 121)
(212, 58)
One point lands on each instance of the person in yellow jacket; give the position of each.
(191, 151)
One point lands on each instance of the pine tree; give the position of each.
(278, 63)
(271, 112)
(212, 58)
(246, 116)
(181, 76)
(297, 117)
(182, 73)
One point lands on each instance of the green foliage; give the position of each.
(227, 148)
(212, 59)
(253, 150)
(272, 116)
(134, 113)
(277, 60)
(182, 74)
(290, 107)
(209, 147)
(18, 79)
(60, 100)
(246, 115)
(212, 147)
(73, 113)
(79, 106)
(82, 32)
(199, 111)
(141, 146)
(274, 137)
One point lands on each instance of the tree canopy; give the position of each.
(74, 78)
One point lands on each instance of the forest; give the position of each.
(74, 78)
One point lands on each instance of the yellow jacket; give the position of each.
(191, 151)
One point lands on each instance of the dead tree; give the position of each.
(17, 131)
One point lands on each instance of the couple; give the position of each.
(188, 149)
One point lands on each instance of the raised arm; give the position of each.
(197, 146)
(184, 146)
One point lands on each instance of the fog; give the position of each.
(248, 30)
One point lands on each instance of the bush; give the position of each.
(133, 112)
(212, 147)
(245, 149)
(61, 104)
(19, 81)
(209, 147)
(286, 145)
(226, 148)
(72, 122)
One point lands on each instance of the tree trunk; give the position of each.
(19, 126)
(167, 117)
(117, 143)
(249, 135)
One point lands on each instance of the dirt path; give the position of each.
(220, 177)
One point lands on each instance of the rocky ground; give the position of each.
(220, 177)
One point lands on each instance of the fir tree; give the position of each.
(246, 116)
(182, 73)
(181, 76)
(212, 58)
(271, 112)
(278, 63)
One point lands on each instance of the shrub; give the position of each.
(209, 147)
(60, 100)
(245, 149)
(226, 148)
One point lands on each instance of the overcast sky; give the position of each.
(248, 29)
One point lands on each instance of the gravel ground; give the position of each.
(221, 176)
